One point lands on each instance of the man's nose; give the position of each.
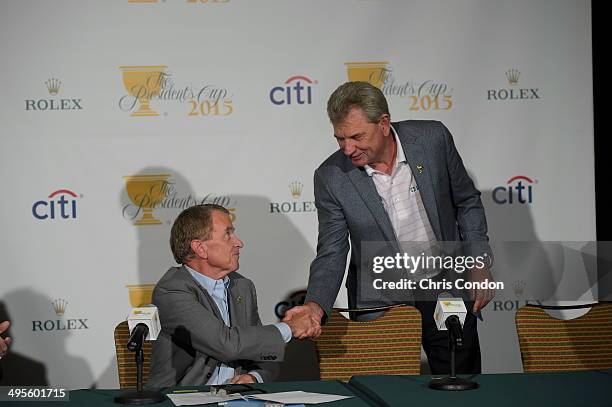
(348, 147)
(239, 243)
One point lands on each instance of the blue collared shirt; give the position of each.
(217, 289)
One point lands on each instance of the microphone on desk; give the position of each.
(450, 316)
(144, 324)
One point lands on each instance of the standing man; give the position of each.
(393, 182)
(211, 331)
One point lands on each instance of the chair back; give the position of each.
(126, 363)
(549, 344)
(389, 345)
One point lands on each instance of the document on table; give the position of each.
(298, 397)
(195, 398)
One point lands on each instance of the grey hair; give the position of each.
(363, 95)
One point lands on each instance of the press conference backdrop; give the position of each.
(117, 115)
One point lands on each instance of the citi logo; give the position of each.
(297, 89)
(61, 204)
(518, 189)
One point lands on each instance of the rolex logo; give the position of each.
(519, 287)
(59, 306)
(296, 189)
(53, 86)
(513, 76)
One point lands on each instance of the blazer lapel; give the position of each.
(367, 190)
(210, 303)
(236, 304)
(419, 165)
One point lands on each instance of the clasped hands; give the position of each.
(305, 320)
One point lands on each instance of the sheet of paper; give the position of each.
(191, 399)
(298, 397)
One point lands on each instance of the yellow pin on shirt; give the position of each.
(239, 299)
(420, 168)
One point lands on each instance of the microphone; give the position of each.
(147, 316)
(143, 323)
(453, 324)
(446, 307)
(139, 333)
(450, 316)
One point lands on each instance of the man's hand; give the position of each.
(4, 342)
(480, 297)
(305, 320)
(243, 379)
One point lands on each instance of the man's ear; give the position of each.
(199, 248)
(385, 122)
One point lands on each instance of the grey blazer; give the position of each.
(194, 338)
(349, 208)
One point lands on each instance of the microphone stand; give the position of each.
(452, 382)
(139, 396)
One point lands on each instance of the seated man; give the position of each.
(211, 331)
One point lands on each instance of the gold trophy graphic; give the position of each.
(371, 72)
(147, 192)
(143, 82)
(140, 294)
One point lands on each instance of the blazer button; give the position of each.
(209, 375)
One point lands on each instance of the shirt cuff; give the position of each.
(257, 376)
(284, 330)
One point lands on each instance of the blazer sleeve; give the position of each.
(192, 325)
(267, 370)
(470, 212)
(327, 269)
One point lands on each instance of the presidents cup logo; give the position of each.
(140, 294)
(155, 196)
(53, 103)
(423, 95)
(142, 83)
(59, 323)
(513, 92)
(297, 205)
(518, 190)
(148, 86)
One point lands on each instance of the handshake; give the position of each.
(305, 320)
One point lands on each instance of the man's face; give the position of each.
(361, 141)
(223, 247)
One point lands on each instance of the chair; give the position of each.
(390, 345)
(549, 344)
(126, 365)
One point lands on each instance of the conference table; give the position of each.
(584, 389)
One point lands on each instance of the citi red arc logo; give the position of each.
(518, 189)
(60, 204)
(296, 89)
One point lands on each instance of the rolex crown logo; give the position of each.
(513, 76)
(519, 287)
(59, 306)
(296, 189)
(53, 86)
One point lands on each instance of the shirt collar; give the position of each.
(206, 282)
(400, 157)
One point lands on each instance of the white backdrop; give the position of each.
(511, 80)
